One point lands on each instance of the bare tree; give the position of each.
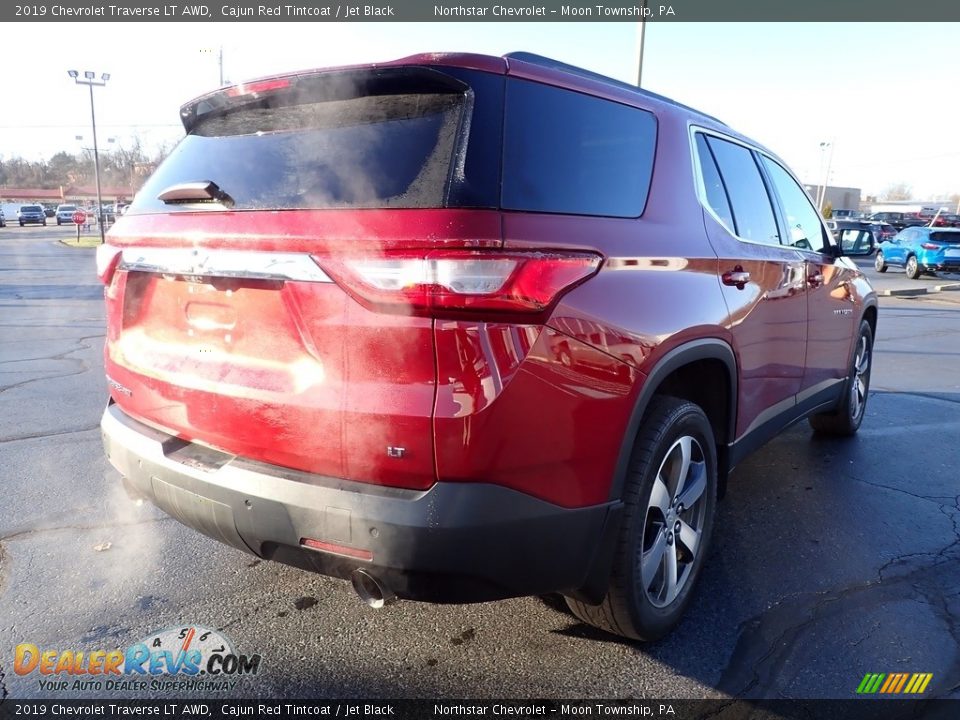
(897, 191)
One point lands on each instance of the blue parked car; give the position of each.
(921, 250)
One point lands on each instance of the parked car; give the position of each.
(3, 219)
(65, 214)
(899, 220)
(878, 230)
(50, 210)
(845, 214)
(921, 250)
(31, 215)
(377, 370)
(951, 220)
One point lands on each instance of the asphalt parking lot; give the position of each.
(832, 559)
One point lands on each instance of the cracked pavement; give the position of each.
(831, 558)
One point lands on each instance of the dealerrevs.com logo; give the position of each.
(183, 658)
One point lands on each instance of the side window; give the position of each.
(752, 212)
(804, 229)
(566, 152)
(713, 184)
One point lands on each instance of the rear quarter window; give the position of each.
(566, 152)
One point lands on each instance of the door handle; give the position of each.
(737, 277)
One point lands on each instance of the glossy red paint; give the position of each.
(302, 375)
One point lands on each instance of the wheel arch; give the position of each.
(713, 363)
(712, 359)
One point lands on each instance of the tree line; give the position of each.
(120, 167)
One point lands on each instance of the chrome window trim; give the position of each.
(223, 263)
(693, 129)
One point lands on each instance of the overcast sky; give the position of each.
(886, 95)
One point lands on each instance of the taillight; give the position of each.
(108, 257)
(930, 246)
(457, 283)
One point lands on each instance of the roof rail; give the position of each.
(546, 62)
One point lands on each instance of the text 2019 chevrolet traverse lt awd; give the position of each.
(460, 328)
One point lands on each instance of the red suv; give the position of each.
(461, 328)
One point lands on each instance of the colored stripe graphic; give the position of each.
(903, 681)
(894, 683)
(892, 680)
(871, 683)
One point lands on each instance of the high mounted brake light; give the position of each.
(459, 283)
(258, 87)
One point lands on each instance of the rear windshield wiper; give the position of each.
(202, 191)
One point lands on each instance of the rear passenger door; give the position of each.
(763, 281)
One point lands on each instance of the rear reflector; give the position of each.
(343, 550)
(454, 283)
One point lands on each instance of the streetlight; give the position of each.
(219, 60)
(641, 37)
(822, 189)
(89, 79)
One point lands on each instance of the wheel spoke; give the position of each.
(685, 453)
(651, 560)
(660, 496)
(694, 488)
(670, 588)
(690, 538)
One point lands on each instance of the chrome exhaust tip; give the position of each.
(369, 589)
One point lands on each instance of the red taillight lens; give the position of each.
(930, 246)
(451, 283)
(108, 257)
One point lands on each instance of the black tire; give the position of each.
(44, 223)
(846, 419)
(630, 608)
(878, 264)
(913, 268)
(59, 223)
(21, 224)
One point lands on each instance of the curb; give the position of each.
(911, 292)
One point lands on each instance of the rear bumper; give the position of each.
(943, 266)
(456, 542)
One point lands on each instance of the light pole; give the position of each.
(89, 79)
(822, 189)
(641, 37)
(219, 60)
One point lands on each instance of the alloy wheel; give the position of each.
(861, 376)
(674, 522)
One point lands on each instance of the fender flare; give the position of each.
(594, 587)
(702, 349)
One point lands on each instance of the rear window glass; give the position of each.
(67, 208)
(566, 152)
(945, 237)
(31, 208)
(335, 141)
